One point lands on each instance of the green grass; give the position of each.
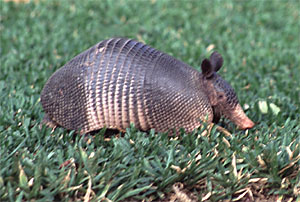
(260, 43)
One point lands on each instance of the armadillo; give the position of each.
(120, 81)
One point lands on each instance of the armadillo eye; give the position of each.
(221, 96)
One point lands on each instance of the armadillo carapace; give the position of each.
(121, 81)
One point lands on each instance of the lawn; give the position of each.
(260, 43)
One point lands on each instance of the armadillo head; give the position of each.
(221, 95)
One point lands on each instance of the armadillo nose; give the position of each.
(239, 117)
(246, 124)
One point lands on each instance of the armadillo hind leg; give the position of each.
(49, 122)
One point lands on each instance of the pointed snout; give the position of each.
(246, 124)
(239, 117)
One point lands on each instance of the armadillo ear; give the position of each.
(207, 69)
(216, 61)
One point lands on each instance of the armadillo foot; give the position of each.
(48, 122)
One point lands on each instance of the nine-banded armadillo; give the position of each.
(121, 81)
